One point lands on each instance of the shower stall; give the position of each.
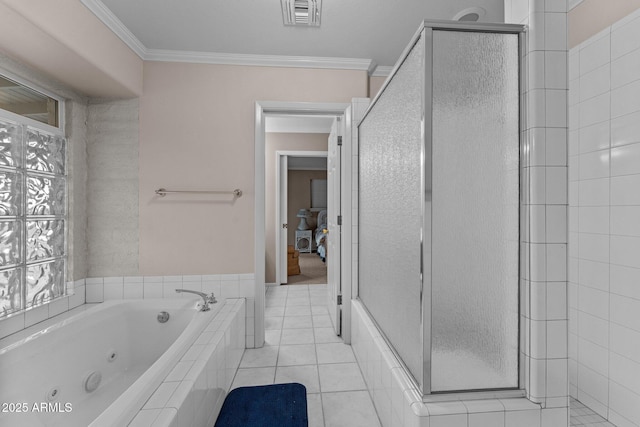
(439, 185)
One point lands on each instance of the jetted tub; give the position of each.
(106, 360)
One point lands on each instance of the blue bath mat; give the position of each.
(276, 405)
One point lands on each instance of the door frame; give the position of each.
(281, 248)
(262, 108)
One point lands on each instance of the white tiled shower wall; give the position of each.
(604, 212)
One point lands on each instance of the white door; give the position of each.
(281, 224)
(333, 223)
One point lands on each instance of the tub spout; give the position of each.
(206, 299)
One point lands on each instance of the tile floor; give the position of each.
(581, 415)
(301, 346)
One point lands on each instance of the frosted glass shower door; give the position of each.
(439, 181)
(474, 261)
(391, 153)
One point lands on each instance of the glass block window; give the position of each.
(33, 216)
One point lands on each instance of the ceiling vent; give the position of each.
(301, 12)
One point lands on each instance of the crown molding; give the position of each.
(258, 60)
(382, 71)
(120, 30)
(114, 24)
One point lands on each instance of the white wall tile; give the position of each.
(624, 281)
(625, 129)
(113, 290)
(555, 31)
(596, 54)
(625, 220)
(555, 69)
(594, 357)
(625, 39)
(594, 247)
(536, 70)
(595, 137)
(624, 402)
(486, 419)
(574, 63)
(594, 192)
(556, 147)
(595, 82)
(556, 108)
(625, 341)
(556, 185)
(556, 262)
(626, 313)
(624, 190)
(594, 274)
(625, 69)
(625, 99)
(556, 301)
(625, 372)
(94, 293)
(625, 160)
(625, 250)
(595, 110)
(574, 168)
(152, 289)
(133, 290)
(593, 219)
(593, 329)
(594, 302)
(594, 165)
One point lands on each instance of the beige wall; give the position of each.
(592, 16)
(281, 142)
(375, 83)
(197, 132)
(66, 41)
(299, 197)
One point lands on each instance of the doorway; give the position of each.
(300, 217)
(264, 109)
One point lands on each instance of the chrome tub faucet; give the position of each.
(207, 299)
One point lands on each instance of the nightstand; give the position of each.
(303, 240)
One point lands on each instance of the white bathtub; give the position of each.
(44, 378)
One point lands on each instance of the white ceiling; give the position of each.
(377, 30)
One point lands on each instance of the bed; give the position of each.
(320, 234)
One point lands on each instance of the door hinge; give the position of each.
(339, 219)
(339, 299)
(340, 141)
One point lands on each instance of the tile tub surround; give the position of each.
(25, 319)
(222, 285)
(604, 234)
(193, 392)
(398, 404)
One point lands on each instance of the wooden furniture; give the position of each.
(293, 265)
